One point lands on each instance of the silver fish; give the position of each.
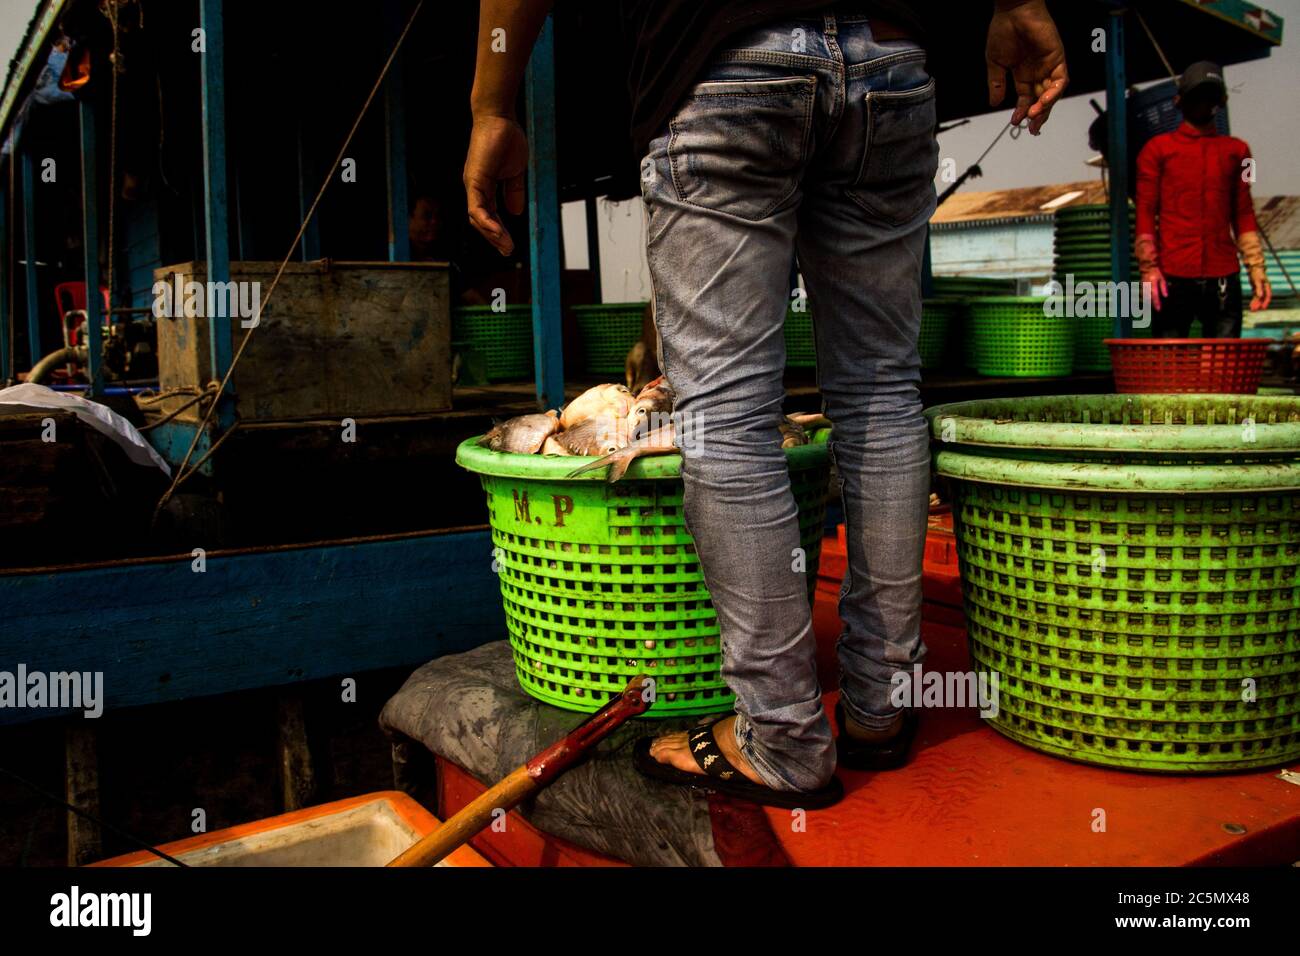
(652, 405)
(792, 433)
(596, 401)
(598, 435)
(657, 441)
(522, 435)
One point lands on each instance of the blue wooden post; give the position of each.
(544, 221)
(6, 317)
(34, 347)
(90, 247)
(593, 249)
(1117, 161)
(217, 234)
(399, 238)
(307, 184)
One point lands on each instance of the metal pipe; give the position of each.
(42, 368)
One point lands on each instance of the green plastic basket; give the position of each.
(1131, 571)
(939, 318)
(1013, 336)
(503, 339)
(601, 581)
(606, 333)
(800, 345)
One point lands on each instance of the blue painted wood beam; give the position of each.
(544, 221)
(593, 248)
(90, 247)
(35, 348)
(215, 204)
(160, 631)
(399, 238)
(307, 186)
(1117, 148)
(6, 280)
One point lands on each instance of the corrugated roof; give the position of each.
(1278, 215)
(1280, 218)
(1023, 203)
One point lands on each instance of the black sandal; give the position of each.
(722, 777)
(865, 755)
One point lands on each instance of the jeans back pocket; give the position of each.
(900, 154)
(739, 146)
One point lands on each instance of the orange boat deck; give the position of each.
(971, 797)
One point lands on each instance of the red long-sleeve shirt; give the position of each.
(1192, 196)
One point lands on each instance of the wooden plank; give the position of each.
(160, 631)
(81, 789)
(297, 773)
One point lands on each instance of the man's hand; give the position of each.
(1159, 288)
(1263, 291)
(1023, 40)
(1144, 250)
(497, 157)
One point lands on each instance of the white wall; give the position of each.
(624, 275)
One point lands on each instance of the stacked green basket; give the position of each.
(1131, 573)
(800, 346)
(1082, 250)
(503, 339)
(601, 581)
(606, 332)
(940, 318)
(1012, 335)
(967, 288)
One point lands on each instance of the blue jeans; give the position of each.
(804, 136)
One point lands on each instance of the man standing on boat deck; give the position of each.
(770, 128)
(1193, 194)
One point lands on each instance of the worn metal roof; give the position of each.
(1025, 203)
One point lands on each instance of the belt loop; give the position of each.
(829, 24)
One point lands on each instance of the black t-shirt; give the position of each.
(671, 40)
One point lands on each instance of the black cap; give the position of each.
(1200, 74)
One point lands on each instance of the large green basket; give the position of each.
(503, 339)
(606, 333)
(601, 581)
(940, 317)
(1013, 336)
(800, 346)
(1131, 571)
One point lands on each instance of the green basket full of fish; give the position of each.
(606, 332)
(1130, 571)
(599, 577)
(502, 339)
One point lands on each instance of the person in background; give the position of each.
(765, 128)
(1193, 197)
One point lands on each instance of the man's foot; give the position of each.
(863, 748)
(674, 750)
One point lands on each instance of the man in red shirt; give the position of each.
(1193, 196)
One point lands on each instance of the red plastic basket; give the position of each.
(1225, 366)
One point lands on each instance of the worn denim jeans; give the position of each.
(804, 136)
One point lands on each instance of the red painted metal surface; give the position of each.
(971, 797)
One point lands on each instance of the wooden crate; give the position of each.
(337, 340)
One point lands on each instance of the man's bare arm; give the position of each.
(498, 149)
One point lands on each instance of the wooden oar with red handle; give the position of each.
(537, 773)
